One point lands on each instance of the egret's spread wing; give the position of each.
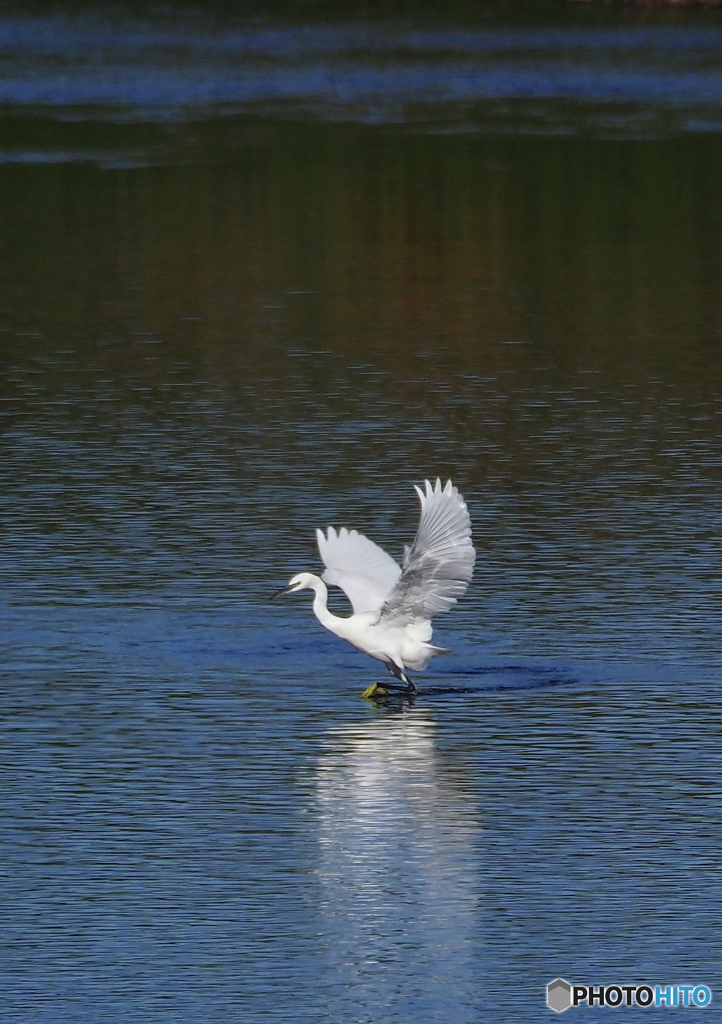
(361, 568)
(438, 565)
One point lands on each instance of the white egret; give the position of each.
(393, 606)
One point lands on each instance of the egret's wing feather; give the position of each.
(440, 562)
(361, 569)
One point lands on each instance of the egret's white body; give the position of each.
(393, 606)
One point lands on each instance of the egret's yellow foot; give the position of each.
(374, 690)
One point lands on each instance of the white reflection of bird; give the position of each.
(397, 884)
(393, 607)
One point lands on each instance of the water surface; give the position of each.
(541, 69)
(283, 324)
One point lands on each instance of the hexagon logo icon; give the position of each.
(559, 995)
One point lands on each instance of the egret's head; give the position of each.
(301, 581)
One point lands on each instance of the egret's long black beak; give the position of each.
(281, 593)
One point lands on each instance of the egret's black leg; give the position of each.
(409, 687)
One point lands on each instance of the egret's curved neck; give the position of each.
(320, 610)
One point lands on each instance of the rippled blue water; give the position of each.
(203, 822)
